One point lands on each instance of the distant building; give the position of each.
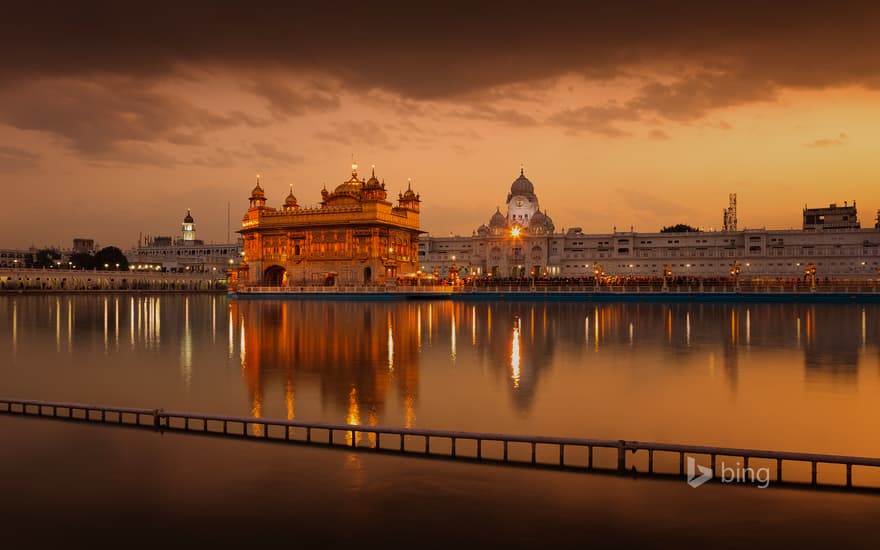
(525, 244)
(355, 237)
(16, 258)
(833, 217)
(83, 246)
(185, 253)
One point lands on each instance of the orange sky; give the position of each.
(115, 120)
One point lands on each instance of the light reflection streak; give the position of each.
(799, 331)
(131, 328)
(687, 327)
(474, 326)
(864, 329)
(116, 322)
(515, 355)
(186, 347)
(214, 319)
(289, 399)
(596, 327)
(419, 327)
(14, 327)
(430, 324)
(748, 327)
(69, 325)
(587, 329)
(57, 325)
(231, 335)
(452, 337)
(390, 345)
(353, 418)
(241, 343)
(106, 329)
(631, 334)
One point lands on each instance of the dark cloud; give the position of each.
(274, 154)
(13, 159)
(828, 142)
(285, 101)
(601, 120)
(99, 117)
(692, 58)
(441, 49)
(351, 132)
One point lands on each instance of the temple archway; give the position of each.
(368, 275)
(274, 275)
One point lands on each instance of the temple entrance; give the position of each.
(368, 275)
(330, 279)
(274, 276)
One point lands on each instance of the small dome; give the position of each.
(257, 192)
(188, 218)
(290, 200)
(498, 219)
(483, 230)
(542, 222)
(522, 186)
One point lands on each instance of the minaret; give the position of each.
(189, 227)
(258, 196)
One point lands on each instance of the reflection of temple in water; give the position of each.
(357, 355)
(833, 336)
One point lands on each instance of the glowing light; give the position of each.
(515, 232)
(515, 356)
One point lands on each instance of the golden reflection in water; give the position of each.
(106, 329)
(631, 334)
(669, 325)
(213, 319)
(257, 410)
(353, 417)
(733, 326)
(14, 327)
(473, 326)
(186, 347)
(131, 328)
(798, 331)
(864, 329)
(241, 343)
(596, 327)
(587, 329)
(116, 323)
(532, 325)
(748, 327)
(419, 327)
(231, 334)
(430, 324)
(57, 325)
(808, 318)
(390, 344)
(69, 325)
(289, 399)
(687, 328)
(489, 324)
(515, 355)
(452, 334)
(410, 413)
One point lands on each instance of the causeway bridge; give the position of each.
(618, 457)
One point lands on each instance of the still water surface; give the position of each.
(795, 377)
(779, 376)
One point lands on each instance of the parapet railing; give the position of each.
(488, 447)
(842, 288)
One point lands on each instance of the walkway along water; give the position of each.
(600, 455)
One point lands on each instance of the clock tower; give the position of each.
(522, 203)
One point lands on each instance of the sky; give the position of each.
(116, 117)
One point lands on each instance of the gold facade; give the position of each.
(354, 237)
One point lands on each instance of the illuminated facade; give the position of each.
(354, 237)
(524, 243)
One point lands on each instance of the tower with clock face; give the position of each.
(522, 203)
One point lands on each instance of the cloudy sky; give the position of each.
(115, 117)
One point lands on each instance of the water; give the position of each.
(786, 377)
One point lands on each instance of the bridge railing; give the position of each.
(452, 444)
